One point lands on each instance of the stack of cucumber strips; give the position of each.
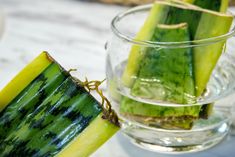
(177, 75)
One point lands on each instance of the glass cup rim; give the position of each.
(147, 43)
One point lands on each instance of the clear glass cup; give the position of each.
(149, 109)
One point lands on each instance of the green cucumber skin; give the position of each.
(168, 13)
(200, 28)
(28, 100)
(211, 5)
(171, 70)
(39, 134)
(177, 15)
(72, 129)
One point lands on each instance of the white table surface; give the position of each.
(74, 32)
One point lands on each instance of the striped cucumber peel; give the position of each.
(23, 132)
(215, 5)
(197, 19)
(24, 103)
(62, 105)
(167, 71)
(167, 74)
(50, 146)
(24, 78)
(53, 100)
(72, 127)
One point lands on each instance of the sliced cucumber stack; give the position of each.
(197, 19)
(169, 69)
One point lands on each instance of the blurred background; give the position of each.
(136, 2)
(74, 32)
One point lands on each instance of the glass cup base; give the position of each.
(175, 141)
(175, 149)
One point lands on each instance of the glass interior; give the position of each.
(172, 89)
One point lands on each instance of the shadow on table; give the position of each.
(224, 149)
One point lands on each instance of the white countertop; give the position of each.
(74, 32)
